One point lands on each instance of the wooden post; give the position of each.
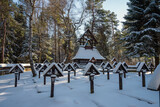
(52, 85)
(103, 69)
(19, 74)
(143, 79)
(39, 74)
(16, 74)
(124, 75)
(44, 80)
(108, 74)
(69, 76)
(75, 73)
(139, 73)
(151, 69)
(91, 77)
(120, 81)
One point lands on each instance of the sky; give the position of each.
(117, 6)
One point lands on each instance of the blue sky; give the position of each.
(117, 6)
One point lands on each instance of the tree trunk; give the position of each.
(30, 45)
(59, 53)
(156, 61)
(40, 49)
(157, 54)
(69, 51)
(3, 41)
(93, 16)
(55, 43)
(39, 45)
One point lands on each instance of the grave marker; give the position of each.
(120, 69)
(108, 66)
(16, 68)
(114, 64)
(91, 70)
(52, 69)
(151, 67)
(42, 68)
(38, 66)
(142, 68)
(76, 66)
(102, 66)
(69, 67)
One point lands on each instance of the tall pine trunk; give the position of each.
(55, 41)
(3, 41)
(93, 20)
(40, 49)
(59, 53)
(68, 60)
(30, 43)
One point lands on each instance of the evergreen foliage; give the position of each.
(143, 27)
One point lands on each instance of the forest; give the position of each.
(36, 30)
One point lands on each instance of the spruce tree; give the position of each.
(151, 30)
(134, 22)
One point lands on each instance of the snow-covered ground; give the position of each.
(32, 93)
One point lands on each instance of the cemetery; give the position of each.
(87, 81)
(79, 53)
(89, 87)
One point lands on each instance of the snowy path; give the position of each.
(32, 93)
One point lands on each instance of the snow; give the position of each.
(134, 66)
(142, 64)
(102, 64)
(42, 67)
(155, 80)
(88, 66)
(125, 65)
(10, 65)
(88, 54)
(30, 92)
(75, 65)
(13, 67)
(108, 65)
(114, 63)
(67, 65)
(50, 66)
(6, 65)
(118, 67)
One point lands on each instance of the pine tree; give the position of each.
(102, 31)
(5, 14)
(151, 30)
(134, 22)
(92, 6)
